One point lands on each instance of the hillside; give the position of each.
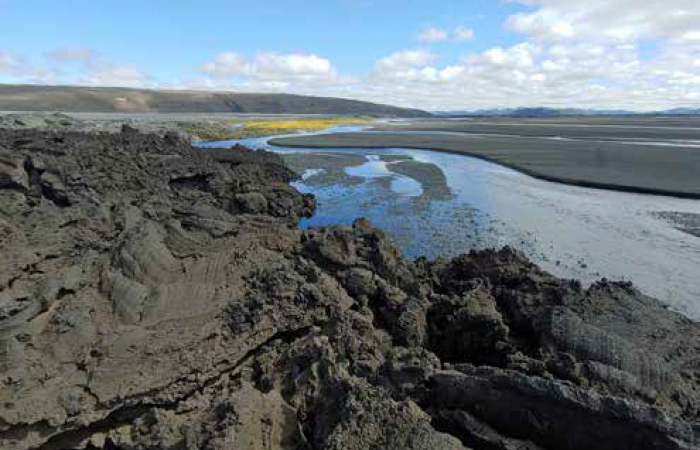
(97, 100)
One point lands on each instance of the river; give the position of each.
(438, 204)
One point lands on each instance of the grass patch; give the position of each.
(293, 126)
(222, 131)
(211, 131)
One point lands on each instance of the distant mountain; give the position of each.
(682, 112)
(97, 100)
(563, 112)
(534, 112)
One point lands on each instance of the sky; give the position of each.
(428, 54)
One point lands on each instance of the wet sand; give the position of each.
(641, 168)
(429, 176)
(325, 169)
(648, 129)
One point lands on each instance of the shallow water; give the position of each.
(374, 168)
(571, 231)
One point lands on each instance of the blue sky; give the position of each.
(435, 54)
(174, 38)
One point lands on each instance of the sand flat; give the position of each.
(643, 168)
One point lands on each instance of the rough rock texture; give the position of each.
(154, 296)
(189, 127)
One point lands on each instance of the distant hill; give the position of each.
(562, 112)
(536, 112)
(682, 112)
(98, 99)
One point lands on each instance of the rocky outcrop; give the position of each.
(154, 296)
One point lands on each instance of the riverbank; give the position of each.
(641, 168)
(155, 295)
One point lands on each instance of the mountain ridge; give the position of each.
(541, 111)
(32, 98)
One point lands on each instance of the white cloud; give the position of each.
(273, 67)
(575, 54)
(85, 66)
(570, 74)
(608, 20)
(110, 75)
(412, 66)
(403, 61)
(567, 74)
(298, 67)
(72, 66)
(518, 56)
(433, 35)
(227, 64)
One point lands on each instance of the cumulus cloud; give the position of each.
(227, 64)
(401, 62)
(112, 75)
(72, 66)
(411, 66)
(627, 54)
(518, 56)
(569, 74)
(86, 66)
(608, 20)
(432, 34)
(298, 67)
(273, 67)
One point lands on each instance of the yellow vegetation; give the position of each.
(226, 130)
(211, 133)
(292, 126)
